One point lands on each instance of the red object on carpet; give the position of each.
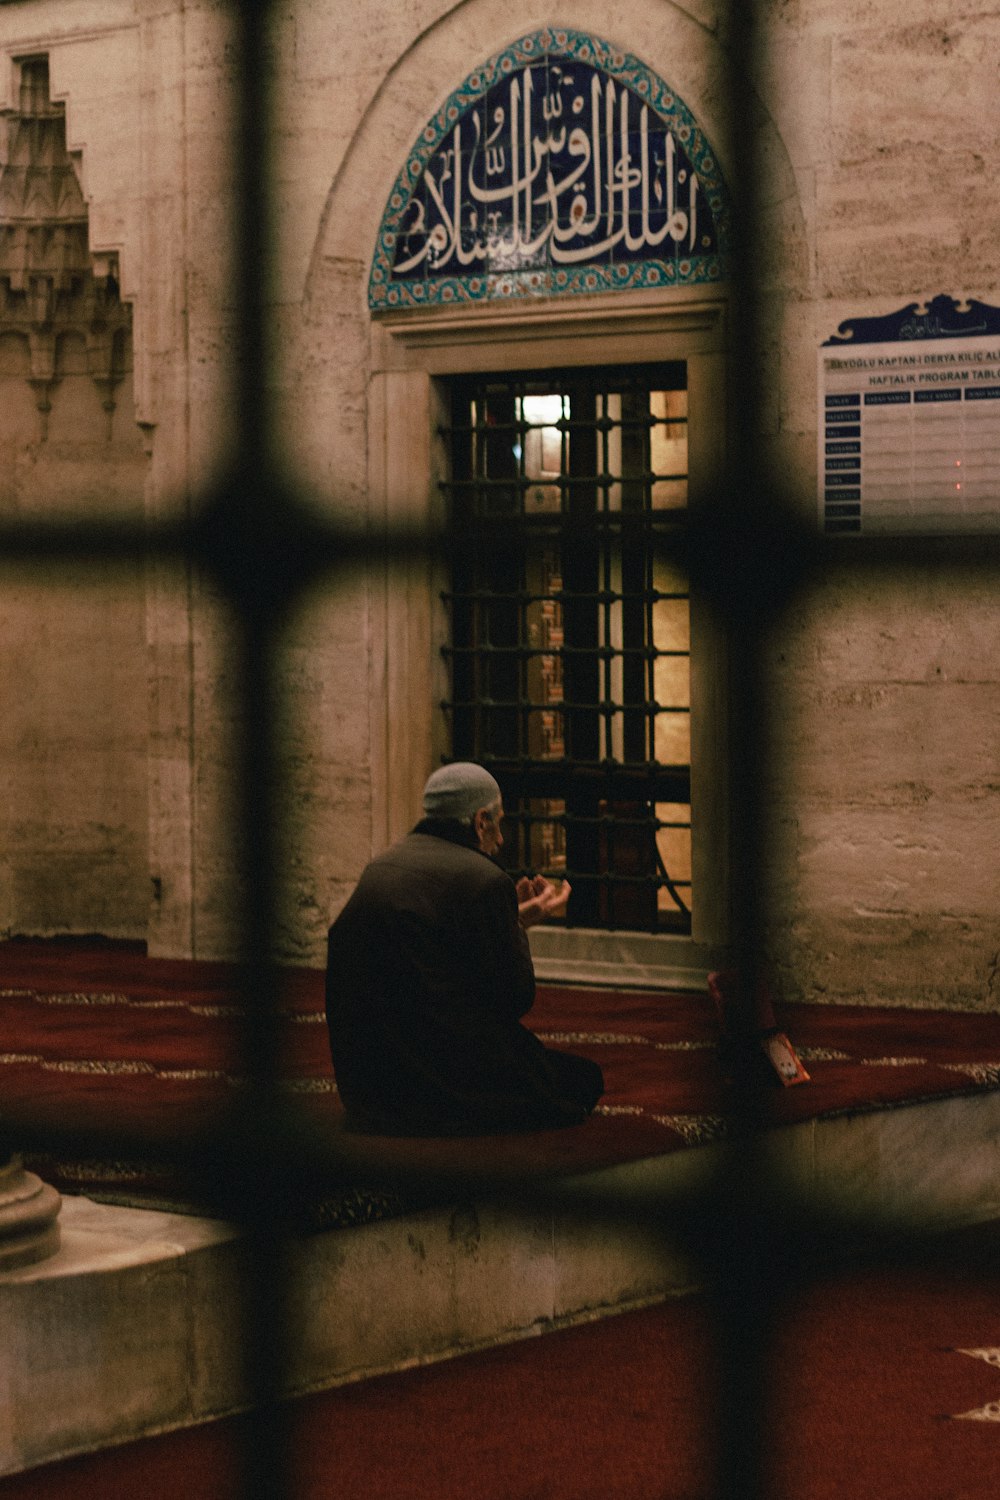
(108, 1038)
(874, 1395)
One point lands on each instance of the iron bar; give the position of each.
(558, 596)
(561, 424)
(644, 653)
(601, 477)
(564, 705)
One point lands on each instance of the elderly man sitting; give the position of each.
(429, 972)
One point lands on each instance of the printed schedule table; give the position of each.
(909, 436)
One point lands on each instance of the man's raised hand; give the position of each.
(539, 898)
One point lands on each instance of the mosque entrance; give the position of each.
(569, 649)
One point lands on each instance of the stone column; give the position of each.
(28, 1212)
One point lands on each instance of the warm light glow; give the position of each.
(542, 411)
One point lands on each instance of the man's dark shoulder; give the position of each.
(427, 856)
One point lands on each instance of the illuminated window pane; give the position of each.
(570, 652)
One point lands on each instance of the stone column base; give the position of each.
(28, 1212)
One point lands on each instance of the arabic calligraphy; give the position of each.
(942, 317)
(558, 164)
(927, 327)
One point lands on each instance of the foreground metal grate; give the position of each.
(264, 548)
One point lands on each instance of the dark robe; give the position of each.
(428, 975)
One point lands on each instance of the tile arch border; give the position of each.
(588, 278)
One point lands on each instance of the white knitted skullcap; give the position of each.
(459, 791)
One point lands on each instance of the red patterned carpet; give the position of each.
(99, 1037)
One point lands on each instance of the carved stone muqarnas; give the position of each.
(51, 284)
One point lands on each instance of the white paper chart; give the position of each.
(909, 427)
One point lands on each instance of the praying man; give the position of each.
(429, 974)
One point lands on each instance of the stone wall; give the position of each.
(887, 691)
(877, 138)
(73, 732)
(887, 809)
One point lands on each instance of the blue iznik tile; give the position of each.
(560, 167)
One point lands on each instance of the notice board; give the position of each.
(909, 421)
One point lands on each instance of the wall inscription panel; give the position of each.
(562, 165)
(909, 421)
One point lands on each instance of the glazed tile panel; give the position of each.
(560, 166)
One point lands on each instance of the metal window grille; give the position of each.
(570, 633)
(265, 548)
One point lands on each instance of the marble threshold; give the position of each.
(633, 960)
